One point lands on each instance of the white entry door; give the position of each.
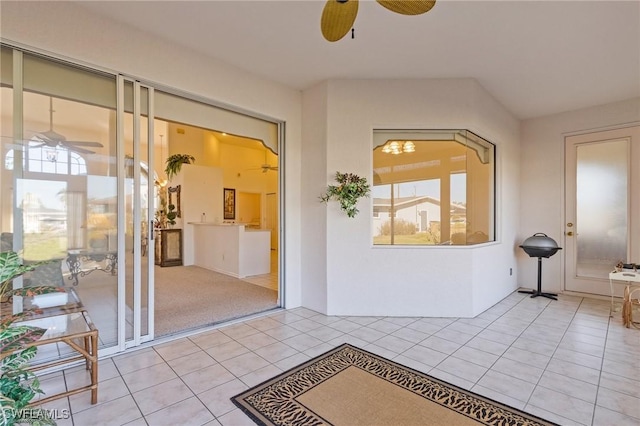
(602, 207)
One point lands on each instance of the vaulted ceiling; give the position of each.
(535, 57)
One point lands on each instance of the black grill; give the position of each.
(540, 245)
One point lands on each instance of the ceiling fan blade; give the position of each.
(338, 17)
(84, 143)
(52, 136)
(408, 7)
(80, 150)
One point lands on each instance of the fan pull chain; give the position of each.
(353, 33)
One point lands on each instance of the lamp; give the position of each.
(52, 154)
(398, 147)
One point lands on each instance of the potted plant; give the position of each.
(171, 214)
(350, 189)
(18, 385)
(174, 163)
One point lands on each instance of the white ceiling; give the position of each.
(535, 57)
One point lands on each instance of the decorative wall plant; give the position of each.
(174, 163)
(349, 190)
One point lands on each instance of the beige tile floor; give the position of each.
(269, 280)
(564, 360)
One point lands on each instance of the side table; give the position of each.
(77, 331)
(632, 281)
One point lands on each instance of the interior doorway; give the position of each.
(213, 288)
(602, 207)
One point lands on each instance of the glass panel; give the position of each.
(6, 144)
(145, 178)
(136, 209)
(65, 182)
(432, 187)
(458, 218)
(130, 200)
(601, 207)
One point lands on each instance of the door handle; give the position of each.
(569, 234)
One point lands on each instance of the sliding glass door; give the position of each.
(59, 180)
(83, 172)
(74, 188)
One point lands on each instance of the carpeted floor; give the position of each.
(188, 297)
(352, 387)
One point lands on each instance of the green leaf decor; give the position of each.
(349, 190)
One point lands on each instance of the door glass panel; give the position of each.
(142, 245)
(62, 169)
(129, 192)
(601, 207)
(136, 184)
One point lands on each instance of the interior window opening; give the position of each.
(432, 188)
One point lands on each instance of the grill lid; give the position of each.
(540, 240)
(540, 245)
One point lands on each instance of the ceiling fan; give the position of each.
(265, 167)
(338, 16)
(54, 139)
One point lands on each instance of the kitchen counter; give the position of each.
(232, 248)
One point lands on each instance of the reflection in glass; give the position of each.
(59, 180)
(438, 191)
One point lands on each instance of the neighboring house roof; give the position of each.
(384, 204)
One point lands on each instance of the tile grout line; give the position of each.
(551, 357)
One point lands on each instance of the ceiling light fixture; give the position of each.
(52, 154)
(398, 147)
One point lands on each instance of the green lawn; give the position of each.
(44, 246)
(421, 238)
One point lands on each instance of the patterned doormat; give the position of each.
(350, 386)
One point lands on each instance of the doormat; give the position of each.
(350, 386)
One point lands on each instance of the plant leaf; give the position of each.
(13, 338)
(11, 267)
(7, 410)
(18, 360)
(34, 291)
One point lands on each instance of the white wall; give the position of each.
(314, 228)
(70, 31)
(425, 281)
(542, 180)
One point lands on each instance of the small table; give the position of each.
(78, 332)
(51, 304)
(630, 277)
(76, 257)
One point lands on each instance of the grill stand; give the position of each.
(538, 292)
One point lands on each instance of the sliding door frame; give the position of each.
(137, 336)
